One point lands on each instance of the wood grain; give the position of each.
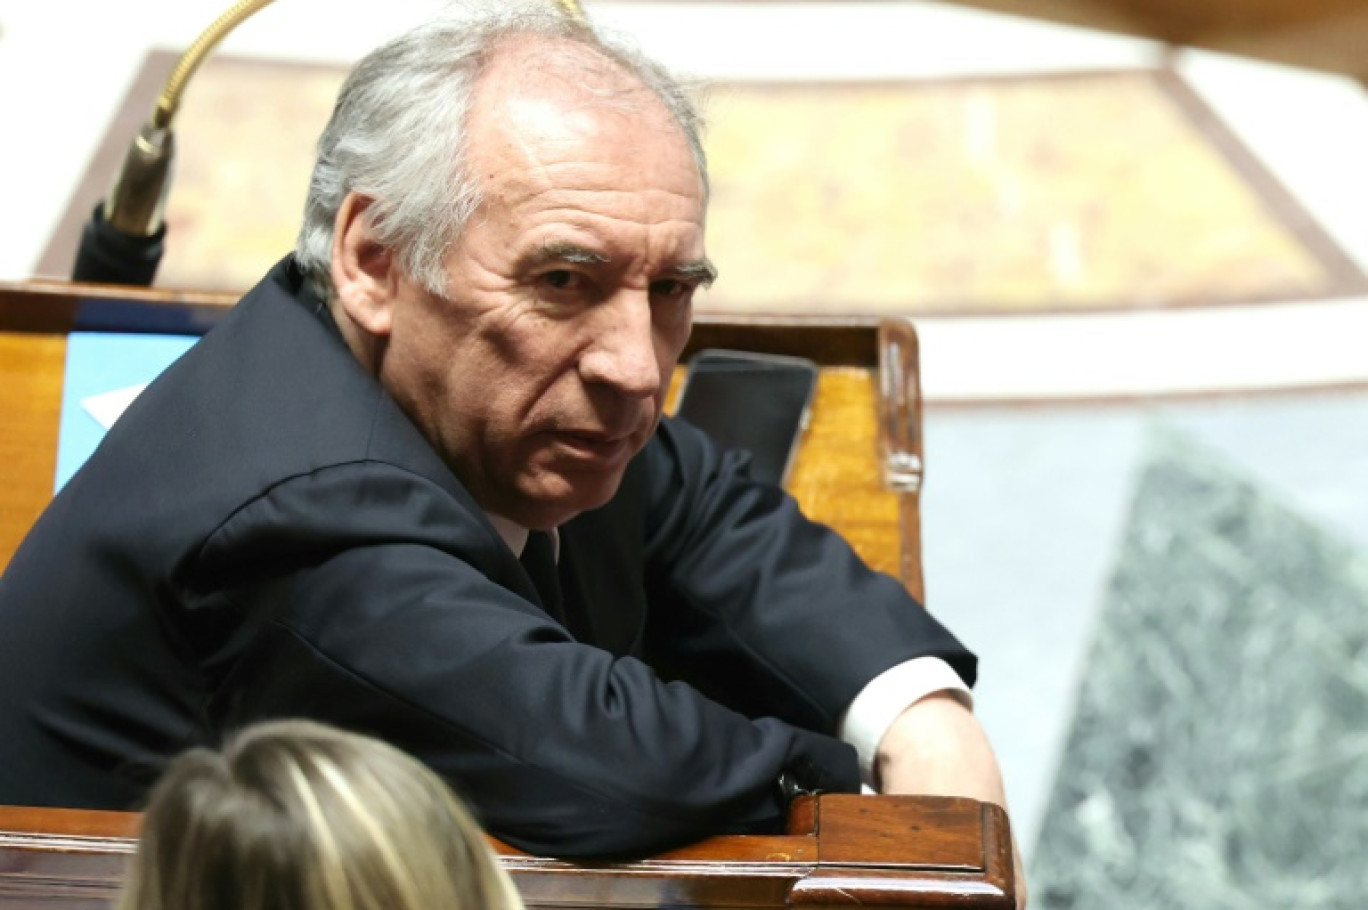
(836, 476)
(31, 368)
(885, 851)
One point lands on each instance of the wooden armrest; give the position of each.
(873, 851)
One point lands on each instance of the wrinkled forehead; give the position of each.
(544, 62)
(542, 96)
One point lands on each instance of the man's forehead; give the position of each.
(544, 64)
(559, 89)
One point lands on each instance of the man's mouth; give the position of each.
(595, 446)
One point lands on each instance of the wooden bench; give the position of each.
(841, 851)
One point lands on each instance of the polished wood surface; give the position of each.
(30, 402)
(836, 476)
(842, 850)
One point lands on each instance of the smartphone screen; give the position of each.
(757, 402)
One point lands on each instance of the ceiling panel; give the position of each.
(1329, 35)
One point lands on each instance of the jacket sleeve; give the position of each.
(762, 609)
(366, 596)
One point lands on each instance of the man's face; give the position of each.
(543, 369)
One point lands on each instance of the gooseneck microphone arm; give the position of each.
(124, 239)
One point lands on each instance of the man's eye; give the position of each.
(670, 288)
(561, 279)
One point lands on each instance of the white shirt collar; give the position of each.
(515, 535)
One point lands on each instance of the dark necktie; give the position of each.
(539, 559)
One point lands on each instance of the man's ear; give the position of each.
(365, 274)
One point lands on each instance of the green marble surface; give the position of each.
(1218, 756)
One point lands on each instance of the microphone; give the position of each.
(124, 240)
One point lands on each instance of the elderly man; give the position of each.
(319, 510)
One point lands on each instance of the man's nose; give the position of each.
(623, 354)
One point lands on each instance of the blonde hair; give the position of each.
(295, 815)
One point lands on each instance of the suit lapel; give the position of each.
(601, 569)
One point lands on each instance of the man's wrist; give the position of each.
(884, 698)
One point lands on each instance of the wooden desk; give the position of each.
(836, 475)
(870, 851)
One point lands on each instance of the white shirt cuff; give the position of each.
(886, 696)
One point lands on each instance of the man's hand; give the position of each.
(938, 747)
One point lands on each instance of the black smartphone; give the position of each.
(758, 402)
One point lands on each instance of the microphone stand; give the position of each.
(124, 240)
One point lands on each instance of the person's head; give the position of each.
(507, 216)
(294, 815)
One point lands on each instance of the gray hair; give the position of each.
(399, 126)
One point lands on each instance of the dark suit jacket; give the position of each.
(264, 533)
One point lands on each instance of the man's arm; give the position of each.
(372, 599)
(938, 747)
(788, 616)
(764, 610)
